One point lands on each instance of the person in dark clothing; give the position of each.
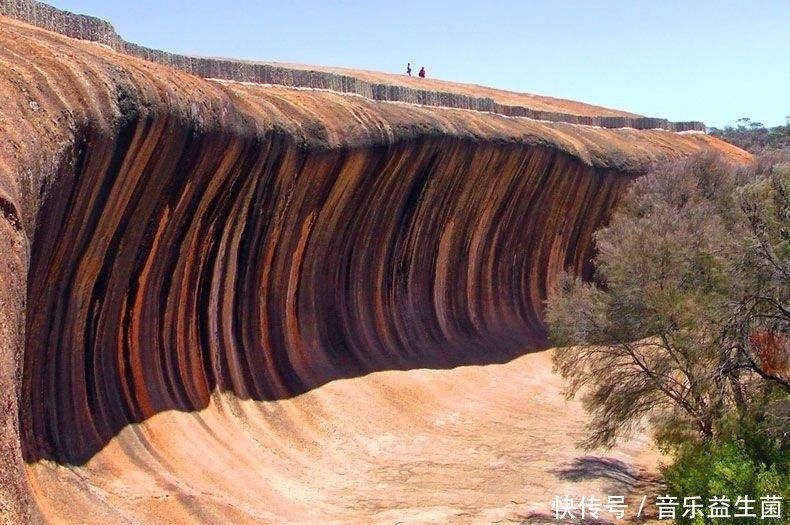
(408, 69)
(422, 72)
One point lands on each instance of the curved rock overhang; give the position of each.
(166, 236)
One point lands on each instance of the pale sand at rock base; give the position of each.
(477, 444)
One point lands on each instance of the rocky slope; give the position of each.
(369, 84)
(166, 238)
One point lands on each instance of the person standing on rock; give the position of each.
(422, 72)
(408, 69)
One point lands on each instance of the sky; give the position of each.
(709, 60)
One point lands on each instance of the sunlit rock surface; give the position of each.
(189, 265)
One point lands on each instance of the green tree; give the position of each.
(745, 462)
(686, 321)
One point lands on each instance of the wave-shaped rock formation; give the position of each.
(164, 237)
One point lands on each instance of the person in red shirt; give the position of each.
(422, 72)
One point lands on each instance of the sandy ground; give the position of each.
(490, 444)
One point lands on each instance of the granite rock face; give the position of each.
(407, 90)
(164, 236)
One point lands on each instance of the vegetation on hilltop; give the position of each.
(756, 138)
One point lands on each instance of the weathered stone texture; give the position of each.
(93, 29)
(164, 237)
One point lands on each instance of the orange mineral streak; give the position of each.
(225, 302)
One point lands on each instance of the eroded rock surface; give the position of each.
(167, 240)
(369, 84)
